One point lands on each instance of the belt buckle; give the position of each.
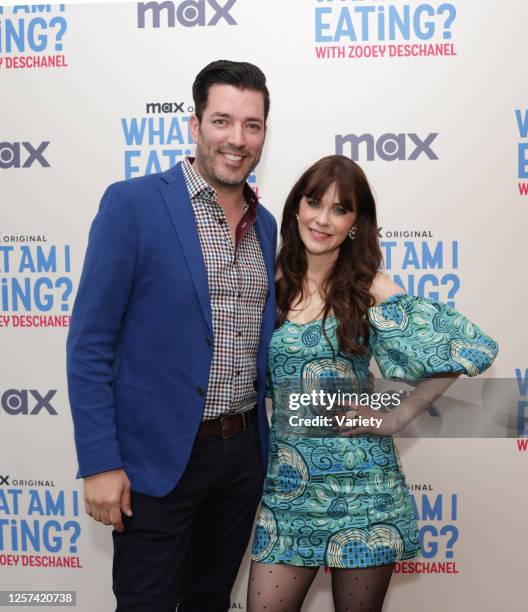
(225, 433)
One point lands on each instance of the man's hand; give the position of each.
(106, 495)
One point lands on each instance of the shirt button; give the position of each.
(201, 391)
(239, 333)
(208, 341)
(237, 372)
(239, 294)
(221, 221)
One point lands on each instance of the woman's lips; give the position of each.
(318, 235)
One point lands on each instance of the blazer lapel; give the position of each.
(269, 257)
(176, 196)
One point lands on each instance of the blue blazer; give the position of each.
(141, 337)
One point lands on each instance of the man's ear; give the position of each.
(195, 127)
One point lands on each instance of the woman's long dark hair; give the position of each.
(347, 288)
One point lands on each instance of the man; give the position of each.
(167, 357)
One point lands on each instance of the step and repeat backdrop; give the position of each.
(430, 98)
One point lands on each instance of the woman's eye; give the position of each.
(339, 210)
(312, 202)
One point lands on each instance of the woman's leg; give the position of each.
(278, 587)
(360, 590)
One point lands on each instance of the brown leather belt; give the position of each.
(227, 426)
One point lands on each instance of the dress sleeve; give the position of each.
(413, 338)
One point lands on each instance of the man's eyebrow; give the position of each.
(227, 116)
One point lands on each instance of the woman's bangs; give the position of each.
(346, 193)
(317, 183)
(321, 179)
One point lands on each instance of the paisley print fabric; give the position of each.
(413, 338)
(343, 502)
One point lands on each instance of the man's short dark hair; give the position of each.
(242, 75)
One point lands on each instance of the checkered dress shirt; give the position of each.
(238, 287)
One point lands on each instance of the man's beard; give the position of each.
(206, 161)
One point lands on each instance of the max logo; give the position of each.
(165, 107)
(11, 154)
(27, 401)
(189, 13)
(389, 147)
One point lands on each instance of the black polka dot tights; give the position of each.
(282, 588)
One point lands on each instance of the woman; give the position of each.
(336, 496)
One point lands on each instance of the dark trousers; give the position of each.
(186, 548)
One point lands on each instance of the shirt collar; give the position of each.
(196, 185)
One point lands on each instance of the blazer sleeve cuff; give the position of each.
(97, 463)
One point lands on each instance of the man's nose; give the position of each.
(236, 136)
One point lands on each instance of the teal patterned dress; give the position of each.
(343, 501)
